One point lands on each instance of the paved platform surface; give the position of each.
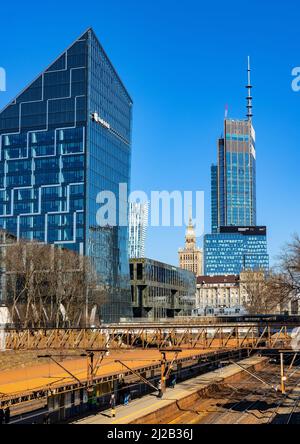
(148, 404)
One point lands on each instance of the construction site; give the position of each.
(172, 373)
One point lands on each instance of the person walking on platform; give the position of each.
(122, 391)
(113, 405)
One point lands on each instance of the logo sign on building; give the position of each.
(96, 118)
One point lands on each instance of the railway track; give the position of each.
(288, 410)
(294, 416)
(249, 402)
(245, 403)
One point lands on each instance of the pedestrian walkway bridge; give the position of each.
(254, 336)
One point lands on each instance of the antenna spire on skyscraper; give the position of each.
(226, 111)
(249, 97)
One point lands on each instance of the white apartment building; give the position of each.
(218, 294)
(138, 223)
(227, 294)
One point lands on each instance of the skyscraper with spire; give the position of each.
(234, 178)
(236, 243)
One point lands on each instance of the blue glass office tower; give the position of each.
(235, 249)
(236, 175)
(63, 139)
(232, 246)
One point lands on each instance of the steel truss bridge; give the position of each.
(116, 337)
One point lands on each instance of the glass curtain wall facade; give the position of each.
(214, 198)
(55, 159)
(236, 183)
(236, 249)
(160, 290)
(109, 164)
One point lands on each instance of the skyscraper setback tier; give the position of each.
(235, 249)
(56, 156)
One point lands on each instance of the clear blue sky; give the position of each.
(182, 62)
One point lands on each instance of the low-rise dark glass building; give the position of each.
(160, 290)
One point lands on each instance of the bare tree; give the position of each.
(289, 267)
(48, 286)
(275, 291)
(253, 289)
(263, 293)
